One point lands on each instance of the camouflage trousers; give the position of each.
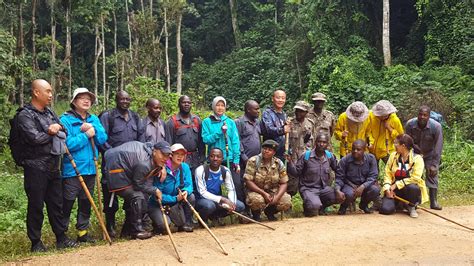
(256, 202)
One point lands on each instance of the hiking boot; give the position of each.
(110, 224)
(256, 216)
(322, 211)
(270, 213)
(142, 235)
(434, 199)
(342, 210)
(85, 239)
(66, 243)
(186, 228)
(412, 212)
(38, 247)
(365, 208)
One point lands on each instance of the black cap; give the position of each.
(163, 146)
(270, 144)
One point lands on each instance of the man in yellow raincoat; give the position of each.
(352, 125)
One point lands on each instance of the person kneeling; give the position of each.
(209, 178)
(267, 181)
(356, 176)
(177, 177)
(403, 177)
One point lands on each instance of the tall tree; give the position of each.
(20, 51)
(167, 66)
(67, 55)
(179, 70)
(33, 35)
(235, 25)
(387, 58)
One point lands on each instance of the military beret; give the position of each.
(270, 144)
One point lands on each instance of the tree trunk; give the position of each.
(115, 51)
(20, 50)
(33, 36)
(98, 51)
(387, 58)
(167, 66)
(129, 32)
(67, 55)
(104, 78)
(235, 26)
(179, 71)
(122, 74)
(53, 54)
(151, 8)
(142, 6)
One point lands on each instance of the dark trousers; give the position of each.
(317, 198)
(43, 187)
(237, 178)
(135, 207)
(72, 189)
(179, 213)
(411, 192)
(369, 194)
(208, 208)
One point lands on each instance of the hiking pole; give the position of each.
(227, 207)
(97, 181)
(165, 220)
(204, 224)
(226, 148)
(88, 194)
(428, 211)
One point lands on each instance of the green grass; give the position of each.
(456, 188)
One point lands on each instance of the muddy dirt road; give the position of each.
(350, 239)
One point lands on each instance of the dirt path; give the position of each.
(351, 239)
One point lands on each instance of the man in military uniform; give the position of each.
(300, 139)
(266, 181)
(324, 120)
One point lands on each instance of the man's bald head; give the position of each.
(279, 92)
(279, 99)
(122, 99)
(41, 93)
(152, 101)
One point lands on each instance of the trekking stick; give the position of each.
(165, 220)
(88, 194)
(227, 207)
(428, 211)
(97, 181)
(204, 224)
(227, 149)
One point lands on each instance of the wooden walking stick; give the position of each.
(88, 194)
(97, 181)
(428, 211)
(204, 224)
(227, 207)
(167, 226)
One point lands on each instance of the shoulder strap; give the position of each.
(111, 119)
(206, 172)
(306, 155)
(223, 172)
(181, 177)
(328, 154)
(175, 122)
(257, 162)
(196, 122)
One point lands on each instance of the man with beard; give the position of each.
(154, 126)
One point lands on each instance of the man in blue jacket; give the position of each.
(81, 127)
(177, 177)
(274, 124)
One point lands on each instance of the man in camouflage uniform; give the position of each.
(266, 181)
(300, 139)
(324, 120)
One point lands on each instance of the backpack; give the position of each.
(207, 173)
(437, 117)
(15, 139)
(177, 125)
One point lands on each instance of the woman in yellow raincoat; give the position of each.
(403, 177)
(351, 126)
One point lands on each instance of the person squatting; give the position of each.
(218, 165)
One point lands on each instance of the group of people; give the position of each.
(218, 165)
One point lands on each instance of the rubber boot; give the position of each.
(136, 221)
(110, 224)
(270, 212)
(434, 199)
(342, 209)
(256, 215)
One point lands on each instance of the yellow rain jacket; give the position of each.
(356, 131)
(415, 169)
(380, 138)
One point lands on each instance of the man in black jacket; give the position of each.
(38, 126)
(130, 167)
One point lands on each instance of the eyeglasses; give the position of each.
(84, 98)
